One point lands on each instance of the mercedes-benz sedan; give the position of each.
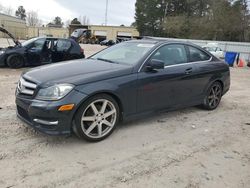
(126, 81)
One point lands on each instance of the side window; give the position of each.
(48, 45)
(38, 44)
(197, 55)
(63, 45)
(171, 54)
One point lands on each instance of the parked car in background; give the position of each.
(38, 51)
(214, 49)
(122, 39)
(108, 42)
(122, 82)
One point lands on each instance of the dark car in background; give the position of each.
(108, 42)
(123, 82)
(39, 51)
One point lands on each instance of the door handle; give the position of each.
(189, 71)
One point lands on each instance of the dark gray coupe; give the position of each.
(123, 82)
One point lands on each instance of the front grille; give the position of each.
(23, 113)
(26, 87)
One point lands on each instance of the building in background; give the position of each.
(15, 26)
(47, 31)
(108, 32)
(18, 28)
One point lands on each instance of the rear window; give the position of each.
(63, 45)
(197, 55)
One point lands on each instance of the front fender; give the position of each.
(124, 89)
(97, 87)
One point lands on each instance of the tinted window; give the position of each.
(171, 54)
(197, 55)
(63, 45)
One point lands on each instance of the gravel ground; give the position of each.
(188, 148)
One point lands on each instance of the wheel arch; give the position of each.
(221, 83)
(13, 54)
(113, 95)
(212, 82)
(217, 80)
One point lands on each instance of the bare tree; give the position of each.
(1, 8)
(32, 19)
(8, 11)
(84, 20)
(67, 23)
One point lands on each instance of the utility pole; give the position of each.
(106, 13)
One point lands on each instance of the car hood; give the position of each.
(76, 72)
(10, 35)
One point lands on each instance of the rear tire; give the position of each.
(97, 118)
(15, 61)
(213, 96)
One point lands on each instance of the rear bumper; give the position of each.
(227, 83)
(44, 116)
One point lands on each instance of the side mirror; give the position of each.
(155, 64)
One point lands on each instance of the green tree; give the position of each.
(149, 16)
(58, 21)
(75, 21)
(21, 13)
(195, 19)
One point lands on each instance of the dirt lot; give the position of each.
(188, 148)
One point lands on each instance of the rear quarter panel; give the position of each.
(209, 72)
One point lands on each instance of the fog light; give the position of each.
(44, 122)
(67, 107)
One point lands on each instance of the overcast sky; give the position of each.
(119, 11)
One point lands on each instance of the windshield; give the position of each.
(28, 42)
(124, 53)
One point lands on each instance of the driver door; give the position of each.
(34, 52)
(169, 87)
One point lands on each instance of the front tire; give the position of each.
(15, 61)
(97, 118)
(213, 96)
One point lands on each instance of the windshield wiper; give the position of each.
(106, 60)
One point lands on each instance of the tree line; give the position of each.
(194, 19)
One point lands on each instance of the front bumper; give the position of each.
(2, 60)
(44, 115)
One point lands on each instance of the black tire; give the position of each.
(81, 127)
(213, 96)
(15, 61)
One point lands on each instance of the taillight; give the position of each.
(82, 51)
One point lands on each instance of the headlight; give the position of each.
(2, 52)
(55, 92)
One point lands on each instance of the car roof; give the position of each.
(55, 38)
(159, 41)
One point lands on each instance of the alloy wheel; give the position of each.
(214, 96)
(99, 118)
